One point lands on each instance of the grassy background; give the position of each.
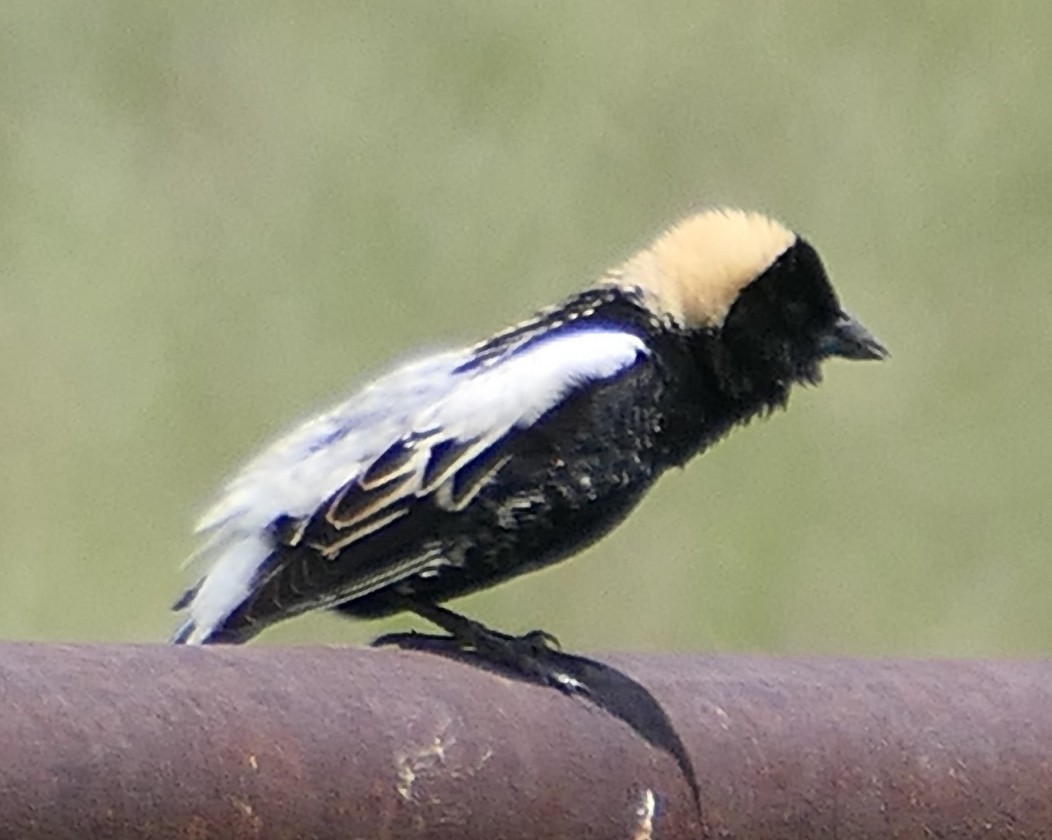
(216, 217)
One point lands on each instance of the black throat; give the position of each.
(707, 392)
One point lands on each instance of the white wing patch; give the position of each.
(516, 391)
(445, 401)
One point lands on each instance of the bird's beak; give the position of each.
(850, 340)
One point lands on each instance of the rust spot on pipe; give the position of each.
(645, 816)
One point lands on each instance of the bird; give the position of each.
(471, 466)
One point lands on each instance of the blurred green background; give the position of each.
(218, 217)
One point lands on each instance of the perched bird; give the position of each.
(470, 467)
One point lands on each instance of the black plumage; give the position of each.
(591, 401)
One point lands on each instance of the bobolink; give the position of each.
(469, 467)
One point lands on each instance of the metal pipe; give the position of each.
(159, 742)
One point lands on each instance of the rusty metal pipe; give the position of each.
(158, 742)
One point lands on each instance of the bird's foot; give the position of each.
(533, 655)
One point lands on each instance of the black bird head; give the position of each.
(754, 299)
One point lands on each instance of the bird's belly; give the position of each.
(522, 523)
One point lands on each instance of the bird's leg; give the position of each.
(529, 655)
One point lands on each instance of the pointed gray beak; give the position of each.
(850, 340)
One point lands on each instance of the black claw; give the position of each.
(396, 639)
(542, 640)
(413, 640)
